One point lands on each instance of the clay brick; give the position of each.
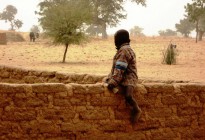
(174, 99)
(54, 114)
(78, 100)
(32, 79)
(97, 114)
(199, 133)
(4, 102)
(28, 102)
(201, 120)
(105, 101)
(6, 128)
(62, 102)
(95, 89)
(188, 110)
(91, 79)
(48, 127)
(192, 87)
(80, 126)
(113, 126)
(48, 74)
(175, 122)
(76, 78)
(149, 124)
(122, 114)
(202, 97)
(163, 134)
(61, 95)
(132, 136)
(19, 115)
(79, 89)
(97, 136)
(159, 87)
(159, 112)
(8, 88)
(49, 88)
(4, 74)
(61, 76)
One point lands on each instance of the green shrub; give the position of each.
(169, 55)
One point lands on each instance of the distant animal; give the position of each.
(32, 37)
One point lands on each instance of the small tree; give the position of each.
(136, 31)
(196, 12)
(185, 27)
(9, 15)
(63, 21)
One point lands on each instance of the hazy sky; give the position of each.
(158, 15)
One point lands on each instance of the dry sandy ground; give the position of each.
(96, 56)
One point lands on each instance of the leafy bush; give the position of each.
(169, 55)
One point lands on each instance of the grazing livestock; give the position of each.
(32, 37)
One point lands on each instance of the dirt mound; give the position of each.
(14, 37)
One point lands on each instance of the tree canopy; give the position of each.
(35, 29)
(185, 27)
(63, 21)
(196, 13)
(9, 16)
(109, 12)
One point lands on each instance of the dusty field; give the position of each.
(96, 56)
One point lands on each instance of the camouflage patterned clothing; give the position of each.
(124, 70)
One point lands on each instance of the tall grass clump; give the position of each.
(169, 55)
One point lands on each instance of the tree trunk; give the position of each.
(12, 26)
(200, 35)
(64, 56)
(104, 32)
(197, 31)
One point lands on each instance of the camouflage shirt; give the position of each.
(124, 70)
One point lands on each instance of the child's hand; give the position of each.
(110, 86)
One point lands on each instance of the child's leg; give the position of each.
(136, 111)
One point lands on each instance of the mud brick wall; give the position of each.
(18, 75)
(89, 112)
(3, 40)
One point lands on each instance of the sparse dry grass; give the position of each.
(96, 56)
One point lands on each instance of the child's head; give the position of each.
(121, 37)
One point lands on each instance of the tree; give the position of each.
(196, 12)
(136, 31)
(185, 27)
(168, 32)
(94, 30)
(9, 15)
(63, 21)
(35, 29)
(109, 12)
(201, 27)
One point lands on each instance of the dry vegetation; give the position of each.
(95, 57)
